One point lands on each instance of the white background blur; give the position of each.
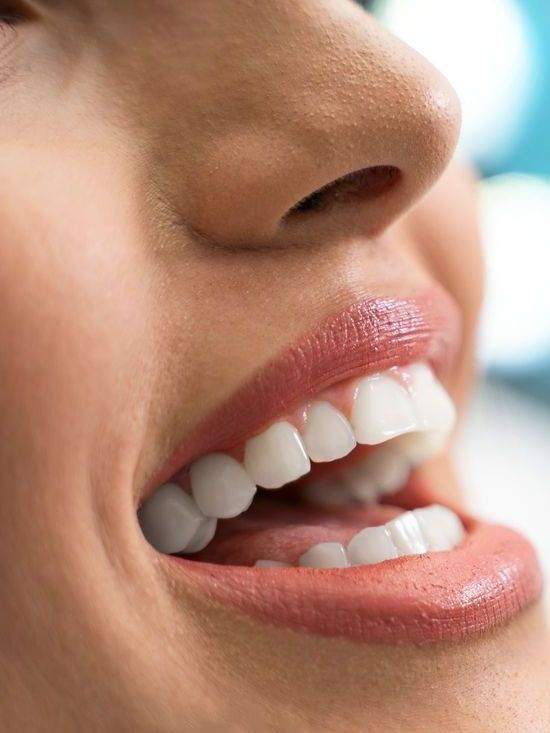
(496, 53)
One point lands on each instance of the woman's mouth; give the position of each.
(318, 521)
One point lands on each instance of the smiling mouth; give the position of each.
(316, 521)
(403, 414)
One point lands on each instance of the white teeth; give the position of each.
(406, 535)
(440, 526)
(221, 487)
(327, 434)
(325, 555)
(384, 472)
(276, 457)
(271, 564)
(170, 519)
(203, 536)
(420, 447)
(389, 469)
(406, 404)
(433, 406)
(371, 545)
(433, 528)
(382, 409)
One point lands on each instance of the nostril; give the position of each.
(359, 186)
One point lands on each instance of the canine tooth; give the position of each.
(170, 519)
(327, 434)
(276, 457)
(327, 492)
(271, 564)
(434, 408)
(325, 555)
(420, 447)
(203, 536)
(382, 409)
(220, 485)
(407, 535)
(441, 527)
(371, 545)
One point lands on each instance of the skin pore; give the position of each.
(151, 261)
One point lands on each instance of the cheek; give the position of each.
(73, 304)
(451, 239)
(445, 230)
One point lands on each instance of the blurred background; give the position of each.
(496, 53)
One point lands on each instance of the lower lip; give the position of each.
(457, 595)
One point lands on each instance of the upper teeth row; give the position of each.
(385, 405)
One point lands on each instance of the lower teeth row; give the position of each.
(429, 529)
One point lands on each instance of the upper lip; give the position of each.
(366, 336)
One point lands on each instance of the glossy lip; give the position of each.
(369, 335)
(437, 597)
(440, 596)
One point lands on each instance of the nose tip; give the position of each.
(364, 128)
(395, 141)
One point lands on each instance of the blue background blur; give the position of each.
(496, 53)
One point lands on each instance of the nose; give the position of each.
(325, 115)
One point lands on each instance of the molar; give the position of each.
(170, 519)
(203, 536)
(220, 485)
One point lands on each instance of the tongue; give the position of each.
(273, 530)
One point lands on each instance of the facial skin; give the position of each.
(149, 155)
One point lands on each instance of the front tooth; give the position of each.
(434, 408)
(441, 527)
(327, 434)
(407, 535)
(170, 519)
(325, 555)
(382, 409)
(387, 468)
(271, 564)
(220, 485)
(276, 457)
(203, 536)
(371, 545)
(420, 447)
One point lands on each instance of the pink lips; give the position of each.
(441, 596)
(451, 595)
(370, 335)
